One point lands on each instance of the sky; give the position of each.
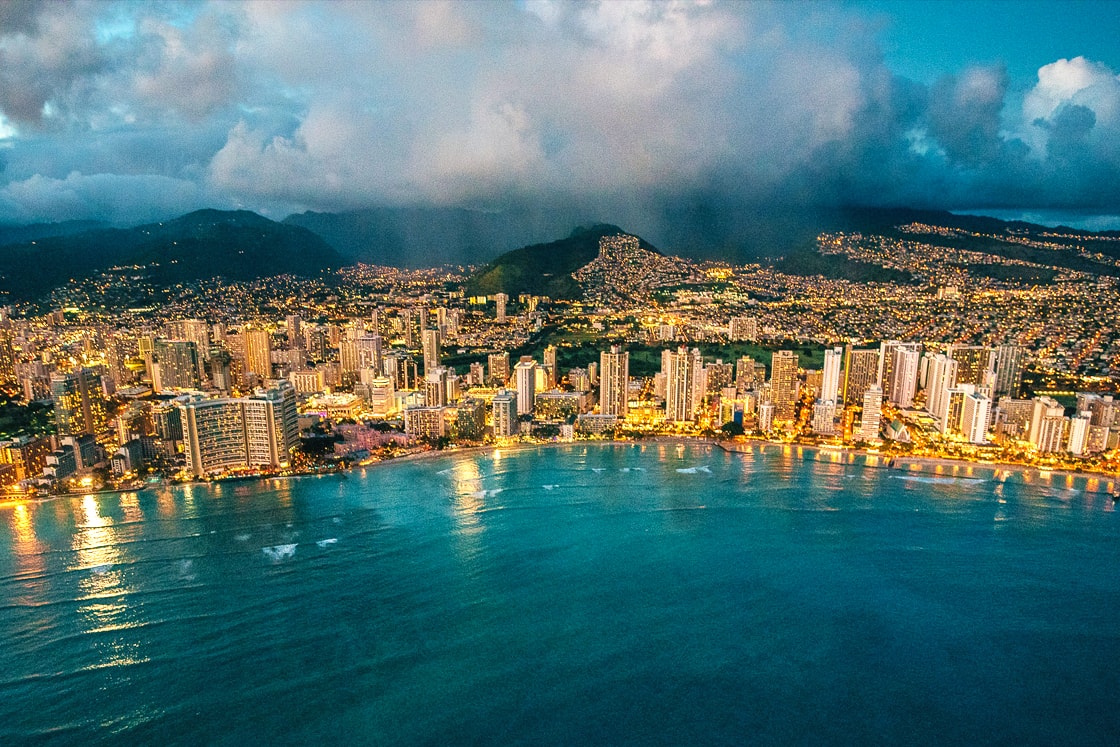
(130, 112)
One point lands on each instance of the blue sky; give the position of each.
(924, 39)
(126, 111)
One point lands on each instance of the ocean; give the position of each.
(579, 594)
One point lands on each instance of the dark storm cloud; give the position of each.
(620, 108)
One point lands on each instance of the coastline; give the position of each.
(1095, 482)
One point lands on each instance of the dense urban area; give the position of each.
(116, 382)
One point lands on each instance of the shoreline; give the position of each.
(1095, 482)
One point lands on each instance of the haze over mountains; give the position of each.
(526, 250)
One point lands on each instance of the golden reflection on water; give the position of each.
(28, 550)
(103, 591)
(130, 504)
(469, 497)
(95, 542)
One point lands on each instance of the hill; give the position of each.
(545, 269)
(427, 237)
(237, 245)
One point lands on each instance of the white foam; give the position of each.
(102, 569)
(336, 520)
(241, 537)
(694, 470)
(550, 487)
(278, 553)
(927, 480)
(186, 570)
(597, 469)
(328, 541)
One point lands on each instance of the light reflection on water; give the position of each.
(104, 613)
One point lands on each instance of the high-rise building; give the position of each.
(830, 375)
(861, 370)
(425, 422)
(872, 414)
(1079, 433)
(80, 405)
(243, 433)
(680, 384)
(614, 380)
(783, 384)
(903, 378)
(766, 416)
(504, 413)
(292, 330)
(749, 374)
(743, 328)
(258, 352)
(976, 417)
(525, 376)
(500, 301)
(429, 340)
(435, 387)
(550, 367)
(498, 366)
(1048, 424)
(973, 363)
(1008, 364)
(175, 365)
(824, 417)
(380, 396)
(941, 377)
(368, 348)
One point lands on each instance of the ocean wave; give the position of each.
(935, 480)
(327, 542)
(694, 470)
(279, 553)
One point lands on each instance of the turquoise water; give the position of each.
(583, 594)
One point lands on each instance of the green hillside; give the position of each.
(544, 269)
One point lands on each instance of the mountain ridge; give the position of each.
(238, 245)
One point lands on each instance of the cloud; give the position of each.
(608, 108)
(109, 197)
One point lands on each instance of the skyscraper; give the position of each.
(940, 378)
(888, 368)
(680, 384)
(903, 377)
(614, 378)
(783, 384)
(500, 301)
(525, 375)
(429, 340)
(258, 352)
(872, 414)
(1008, 365)
(830, 375)
(368, 348)
(504, 413)
(861, 370)
(550, 366)
(976, 417)
(498, 366)
(973, 362)
(79, 403)
(256, 431)
(175, 365)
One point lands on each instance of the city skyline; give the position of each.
(617, 111)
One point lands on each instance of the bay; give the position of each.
(605, 594)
